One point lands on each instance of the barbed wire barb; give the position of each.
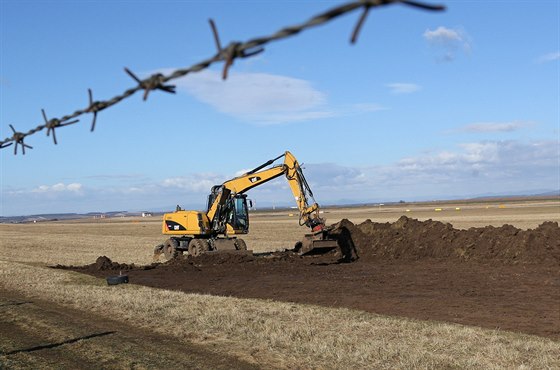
(54, 123)
(232, 51)
(358, 27)
(154, 82)
(94, 107)
(17, 138)
(227, 55)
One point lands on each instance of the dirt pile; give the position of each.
(411, 239)
(104, 263)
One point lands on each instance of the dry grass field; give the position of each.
(62, 319)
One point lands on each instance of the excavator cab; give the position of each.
(232, 216)
(238, 216)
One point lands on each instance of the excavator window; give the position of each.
(239, 217)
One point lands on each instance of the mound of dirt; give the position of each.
(179, 264)
(411, 239)
(104, 263)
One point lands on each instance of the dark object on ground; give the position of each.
(116, 280)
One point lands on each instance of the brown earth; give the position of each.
(493, 277)
(411, 239)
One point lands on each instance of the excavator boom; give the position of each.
(309, 213)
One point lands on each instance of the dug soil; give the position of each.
(499, 278)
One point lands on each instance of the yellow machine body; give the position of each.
(193, 223)
(183, 222)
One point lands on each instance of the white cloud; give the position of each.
(501, 161)
(58, 188)
(74, 187)
(258, 97)
(447, 42)
(59, 197)
(198, 183)
(403, 88)
(442, 35)
(469, 169)
(482, 127)
(550, 57)
(266, 99)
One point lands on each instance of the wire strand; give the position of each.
(224, 54)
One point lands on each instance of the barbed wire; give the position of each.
(234, 50)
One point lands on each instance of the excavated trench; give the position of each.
(496, 277)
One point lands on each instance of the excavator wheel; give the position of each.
(240, 245)
(198, 246)
(170, 249)
(204, 245)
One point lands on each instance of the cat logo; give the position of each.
(254, 179)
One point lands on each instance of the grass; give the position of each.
(273, 334)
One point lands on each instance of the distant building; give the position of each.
(147, 214)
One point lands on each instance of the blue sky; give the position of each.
(425, 105)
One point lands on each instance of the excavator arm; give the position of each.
(308, 213)
(222, 194)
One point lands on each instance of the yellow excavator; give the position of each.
(227, 215)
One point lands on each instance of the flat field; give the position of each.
(491, 301)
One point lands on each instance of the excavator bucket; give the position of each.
(316, 243)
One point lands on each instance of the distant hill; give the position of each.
(41, 218)
(67, 216)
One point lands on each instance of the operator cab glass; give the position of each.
(239, 219)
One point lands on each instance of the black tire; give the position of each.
(204, 245)
(170, 249)
(116, 280)
(198, 246)
(194, 248)
(240, 245)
